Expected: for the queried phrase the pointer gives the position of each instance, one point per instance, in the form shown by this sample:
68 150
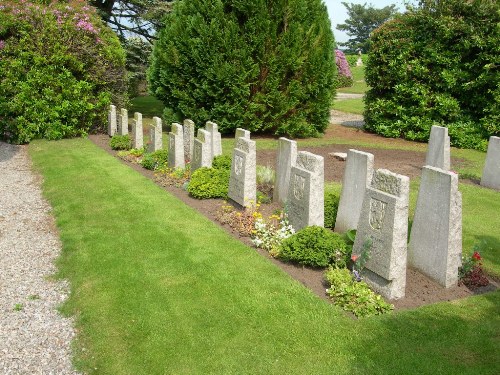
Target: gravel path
346 119
34 337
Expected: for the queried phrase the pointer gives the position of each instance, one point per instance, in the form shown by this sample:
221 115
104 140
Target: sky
338 12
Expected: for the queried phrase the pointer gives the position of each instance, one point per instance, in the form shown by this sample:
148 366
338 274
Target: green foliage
60 68
208 183
155 160
222 162
362 21
354 296
315 246
352 59
259 65
138 55
120 142
331 206
437 64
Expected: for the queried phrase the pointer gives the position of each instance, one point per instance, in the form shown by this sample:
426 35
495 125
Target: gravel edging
34 337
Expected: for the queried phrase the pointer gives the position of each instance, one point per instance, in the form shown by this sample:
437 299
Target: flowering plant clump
269 235
359 260
344 78
60 68
243 222
173 176
471 273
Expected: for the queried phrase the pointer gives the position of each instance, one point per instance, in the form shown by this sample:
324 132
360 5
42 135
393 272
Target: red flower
354 257
476 257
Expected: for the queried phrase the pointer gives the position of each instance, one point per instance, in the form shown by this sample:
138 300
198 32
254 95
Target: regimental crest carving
242 145
307 162
377 214
238 165
299 184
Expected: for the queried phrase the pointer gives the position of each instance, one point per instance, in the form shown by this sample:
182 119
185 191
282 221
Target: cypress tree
263 65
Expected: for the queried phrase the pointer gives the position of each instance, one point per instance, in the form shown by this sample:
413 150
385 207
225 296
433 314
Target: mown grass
359 86
356 106
157 288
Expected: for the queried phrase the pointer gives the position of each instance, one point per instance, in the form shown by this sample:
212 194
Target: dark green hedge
262 65
437 64
60 68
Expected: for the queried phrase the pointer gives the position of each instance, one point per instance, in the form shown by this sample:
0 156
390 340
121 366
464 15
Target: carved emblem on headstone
306 162
299 183
242 145
377 213
238 165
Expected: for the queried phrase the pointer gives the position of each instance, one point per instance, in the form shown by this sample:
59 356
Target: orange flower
354 257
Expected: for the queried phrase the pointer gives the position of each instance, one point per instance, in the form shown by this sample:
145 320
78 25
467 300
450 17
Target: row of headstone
117 125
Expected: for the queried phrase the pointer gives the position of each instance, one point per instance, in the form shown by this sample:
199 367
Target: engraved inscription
238 165
197 153
377 214
242 145
299 183
307 162
387 183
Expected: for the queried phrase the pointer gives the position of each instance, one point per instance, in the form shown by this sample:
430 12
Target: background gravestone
137 135
112 126
215 141
202 152
306 191
285 160
438 149
491 171
435 246
123 124
155 135
383 225
176 147
357 176
242 182
188 136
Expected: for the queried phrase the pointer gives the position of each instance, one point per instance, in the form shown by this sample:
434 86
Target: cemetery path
420 289
34 337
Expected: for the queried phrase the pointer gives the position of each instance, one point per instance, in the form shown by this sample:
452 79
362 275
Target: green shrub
155 160
331 207
437 64
222 162
315 246
354 296
353 59
120 142
60 68
247 64
208 183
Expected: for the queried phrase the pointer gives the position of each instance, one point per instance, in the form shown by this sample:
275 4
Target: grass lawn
157 288
356 106
359 86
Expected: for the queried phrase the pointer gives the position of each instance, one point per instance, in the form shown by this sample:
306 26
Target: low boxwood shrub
120 142
354 296
60 68
315 246
222 162
331 208
155 160
208 183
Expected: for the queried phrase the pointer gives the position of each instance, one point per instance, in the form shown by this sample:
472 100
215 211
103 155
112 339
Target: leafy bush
344 76
270 235
60 68
209 183
155 160
248 64
437 64
120 142
315 246
331 207
354 296
222 162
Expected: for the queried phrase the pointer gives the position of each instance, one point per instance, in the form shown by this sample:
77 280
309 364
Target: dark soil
420 290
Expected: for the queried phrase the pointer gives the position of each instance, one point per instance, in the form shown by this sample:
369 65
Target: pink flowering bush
60 67
344 77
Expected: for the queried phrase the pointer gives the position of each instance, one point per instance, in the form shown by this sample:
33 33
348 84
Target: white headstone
438 149
240 133
216 141
242 183
155 134
357 176
202 152
176 147
305 202
112 126
137 135
384 224
188 129
491 171
285 160
435 246
123 124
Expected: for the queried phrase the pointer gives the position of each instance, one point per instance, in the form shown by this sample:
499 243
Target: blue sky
338 13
